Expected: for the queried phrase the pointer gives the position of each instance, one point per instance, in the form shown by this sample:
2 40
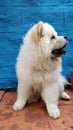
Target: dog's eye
53 37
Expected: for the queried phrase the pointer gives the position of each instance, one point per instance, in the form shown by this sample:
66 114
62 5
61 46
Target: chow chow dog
39 68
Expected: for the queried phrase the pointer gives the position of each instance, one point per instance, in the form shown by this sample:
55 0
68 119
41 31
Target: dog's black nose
65 37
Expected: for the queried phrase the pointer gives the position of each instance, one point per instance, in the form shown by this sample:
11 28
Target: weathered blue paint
16 17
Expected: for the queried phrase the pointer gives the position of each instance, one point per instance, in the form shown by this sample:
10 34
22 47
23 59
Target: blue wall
16 17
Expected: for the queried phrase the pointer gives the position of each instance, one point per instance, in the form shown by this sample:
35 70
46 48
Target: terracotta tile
34 116
10 98
19 123
65 122
2 93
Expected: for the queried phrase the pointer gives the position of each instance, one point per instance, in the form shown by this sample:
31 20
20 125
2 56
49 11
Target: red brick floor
34 116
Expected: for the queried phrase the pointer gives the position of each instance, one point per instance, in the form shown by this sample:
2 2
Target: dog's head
43 35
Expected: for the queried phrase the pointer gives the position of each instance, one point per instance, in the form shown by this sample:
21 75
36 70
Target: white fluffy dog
39 68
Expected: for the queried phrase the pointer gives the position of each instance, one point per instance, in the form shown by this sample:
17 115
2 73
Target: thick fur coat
39 68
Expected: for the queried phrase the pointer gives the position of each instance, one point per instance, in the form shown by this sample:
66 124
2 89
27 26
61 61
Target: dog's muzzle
59 52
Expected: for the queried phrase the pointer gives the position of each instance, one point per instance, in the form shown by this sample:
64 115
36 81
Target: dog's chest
46 73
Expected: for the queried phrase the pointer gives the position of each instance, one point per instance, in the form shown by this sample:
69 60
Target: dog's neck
48 64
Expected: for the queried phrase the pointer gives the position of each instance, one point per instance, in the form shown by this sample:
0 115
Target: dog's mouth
59 52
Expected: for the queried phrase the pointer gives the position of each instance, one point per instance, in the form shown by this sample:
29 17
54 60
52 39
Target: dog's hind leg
65 96
62 82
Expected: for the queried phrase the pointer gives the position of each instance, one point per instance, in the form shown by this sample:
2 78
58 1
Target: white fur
38 71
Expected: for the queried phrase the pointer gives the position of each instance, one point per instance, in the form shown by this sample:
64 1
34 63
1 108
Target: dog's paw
18 106
53 111
65 96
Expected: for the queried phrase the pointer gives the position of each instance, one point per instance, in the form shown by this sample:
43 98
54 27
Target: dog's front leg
22 95
50 95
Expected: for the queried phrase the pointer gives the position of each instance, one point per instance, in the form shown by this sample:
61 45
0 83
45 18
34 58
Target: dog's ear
37 32
40 29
